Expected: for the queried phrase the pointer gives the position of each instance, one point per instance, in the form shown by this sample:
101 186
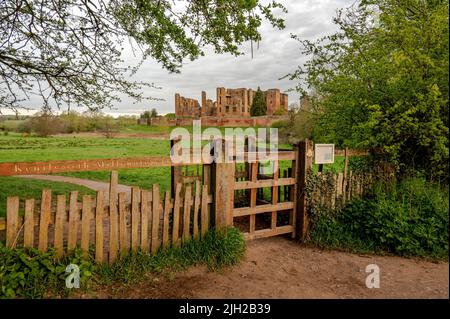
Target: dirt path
280 268
97 186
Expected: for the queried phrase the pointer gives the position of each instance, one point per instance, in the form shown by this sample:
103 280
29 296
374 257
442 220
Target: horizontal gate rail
260 209
269 232
264 183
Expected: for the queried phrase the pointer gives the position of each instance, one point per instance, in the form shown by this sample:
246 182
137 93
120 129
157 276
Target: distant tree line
46 124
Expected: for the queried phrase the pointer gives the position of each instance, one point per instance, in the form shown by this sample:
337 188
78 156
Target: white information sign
324 153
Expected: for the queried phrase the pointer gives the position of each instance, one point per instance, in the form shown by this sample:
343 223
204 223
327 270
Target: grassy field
136 128
15 148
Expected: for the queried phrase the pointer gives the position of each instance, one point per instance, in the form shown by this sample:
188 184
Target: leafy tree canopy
382 81
69 51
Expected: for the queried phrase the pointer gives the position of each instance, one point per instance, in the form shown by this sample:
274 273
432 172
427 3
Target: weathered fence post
304 164
344 182
223 179
176 172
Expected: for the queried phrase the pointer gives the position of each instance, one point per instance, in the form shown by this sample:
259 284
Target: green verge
29 273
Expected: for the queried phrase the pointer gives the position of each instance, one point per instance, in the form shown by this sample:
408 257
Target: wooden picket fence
110 226
333 190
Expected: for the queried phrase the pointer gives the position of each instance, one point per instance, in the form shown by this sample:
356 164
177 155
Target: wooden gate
267 194
264 204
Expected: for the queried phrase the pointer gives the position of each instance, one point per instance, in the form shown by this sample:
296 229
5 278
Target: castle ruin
230 103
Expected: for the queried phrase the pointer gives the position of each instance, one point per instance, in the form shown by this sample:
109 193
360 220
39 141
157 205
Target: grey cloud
278 55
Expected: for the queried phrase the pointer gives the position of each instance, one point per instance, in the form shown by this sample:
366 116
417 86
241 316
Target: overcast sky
277 56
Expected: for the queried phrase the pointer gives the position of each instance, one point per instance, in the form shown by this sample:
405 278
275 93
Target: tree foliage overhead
69 51
258 107
382 81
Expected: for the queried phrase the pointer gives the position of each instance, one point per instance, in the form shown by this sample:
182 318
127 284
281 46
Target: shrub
170 116
280 124
408 218
10 125
30 273
73 122
280 111
108 126
45 124
24 127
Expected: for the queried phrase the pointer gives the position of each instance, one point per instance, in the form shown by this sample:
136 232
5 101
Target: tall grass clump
406 218
217 249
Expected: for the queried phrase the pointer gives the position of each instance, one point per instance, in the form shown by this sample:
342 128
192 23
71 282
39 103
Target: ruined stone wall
284 102
229 103
186 107
275 100
208 106
232 102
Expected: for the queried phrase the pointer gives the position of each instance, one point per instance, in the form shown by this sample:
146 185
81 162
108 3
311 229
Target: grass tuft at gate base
28 273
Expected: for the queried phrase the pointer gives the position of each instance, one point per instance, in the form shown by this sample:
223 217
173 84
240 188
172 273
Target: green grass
136 128
218 249
336 167
30 188
14 148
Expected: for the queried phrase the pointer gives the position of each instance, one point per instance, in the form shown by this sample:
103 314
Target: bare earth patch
279 268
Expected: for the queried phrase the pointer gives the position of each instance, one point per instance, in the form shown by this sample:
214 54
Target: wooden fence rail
113 228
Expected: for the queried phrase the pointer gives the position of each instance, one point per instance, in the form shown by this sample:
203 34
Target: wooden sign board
324 153
51 167
48 167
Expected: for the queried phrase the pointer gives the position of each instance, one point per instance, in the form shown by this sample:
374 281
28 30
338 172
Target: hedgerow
406 218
